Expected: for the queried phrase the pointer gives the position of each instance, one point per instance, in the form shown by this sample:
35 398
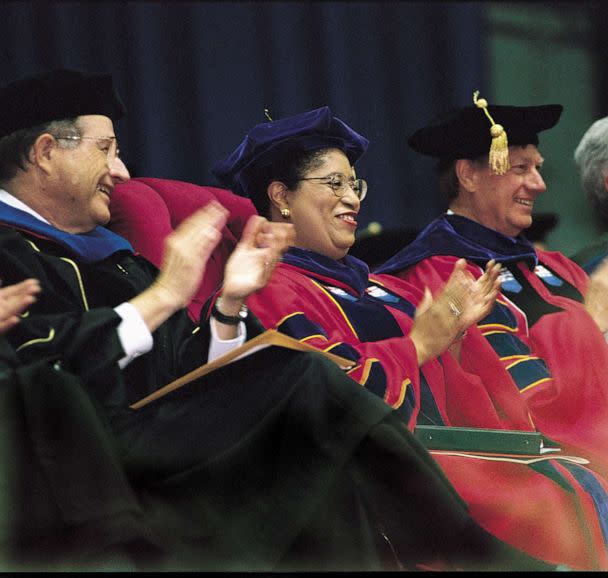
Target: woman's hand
251 264
464 300
253 260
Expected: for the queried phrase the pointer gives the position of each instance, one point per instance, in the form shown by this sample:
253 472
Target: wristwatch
228 319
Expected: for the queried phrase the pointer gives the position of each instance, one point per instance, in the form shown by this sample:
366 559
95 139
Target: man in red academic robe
540 356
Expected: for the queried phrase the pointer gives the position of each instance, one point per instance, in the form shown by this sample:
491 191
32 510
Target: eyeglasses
339 184
106 144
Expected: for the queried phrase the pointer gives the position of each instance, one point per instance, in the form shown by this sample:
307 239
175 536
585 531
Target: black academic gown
65 500
275 462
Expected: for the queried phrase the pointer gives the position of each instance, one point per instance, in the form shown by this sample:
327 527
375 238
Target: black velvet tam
464 133
57 95
267 142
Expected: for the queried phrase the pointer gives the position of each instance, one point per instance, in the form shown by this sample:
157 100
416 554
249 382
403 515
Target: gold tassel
267 114
499 149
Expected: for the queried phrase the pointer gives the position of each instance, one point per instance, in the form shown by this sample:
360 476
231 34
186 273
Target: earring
285 213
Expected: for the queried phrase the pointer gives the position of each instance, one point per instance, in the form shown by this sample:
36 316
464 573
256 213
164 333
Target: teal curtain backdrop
196 75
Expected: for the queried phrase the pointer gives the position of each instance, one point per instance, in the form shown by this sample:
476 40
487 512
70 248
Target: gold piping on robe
78 276
50 337
337 306
80 284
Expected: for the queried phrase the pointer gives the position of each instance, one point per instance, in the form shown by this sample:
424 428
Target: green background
541 53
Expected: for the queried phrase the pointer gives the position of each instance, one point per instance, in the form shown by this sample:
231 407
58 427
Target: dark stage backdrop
196 75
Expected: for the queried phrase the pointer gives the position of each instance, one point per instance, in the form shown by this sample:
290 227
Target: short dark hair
446 170
448 180
15 147
289 168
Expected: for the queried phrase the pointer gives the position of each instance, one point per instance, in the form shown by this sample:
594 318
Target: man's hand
187 250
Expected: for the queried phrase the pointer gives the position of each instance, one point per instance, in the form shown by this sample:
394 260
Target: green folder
496 441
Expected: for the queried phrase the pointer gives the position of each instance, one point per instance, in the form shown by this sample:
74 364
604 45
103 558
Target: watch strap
228 319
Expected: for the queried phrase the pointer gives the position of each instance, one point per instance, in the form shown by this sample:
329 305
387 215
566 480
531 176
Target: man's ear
606 182
277 193
42 151
465 172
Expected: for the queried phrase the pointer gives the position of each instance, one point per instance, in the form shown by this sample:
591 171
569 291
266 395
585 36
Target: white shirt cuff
134 335
136 338
218 346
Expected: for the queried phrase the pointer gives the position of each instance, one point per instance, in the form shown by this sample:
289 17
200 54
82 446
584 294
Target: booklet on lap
266 339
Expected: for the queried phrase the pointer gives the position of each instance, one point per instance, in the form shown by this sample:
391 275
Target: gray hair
591 158
15 147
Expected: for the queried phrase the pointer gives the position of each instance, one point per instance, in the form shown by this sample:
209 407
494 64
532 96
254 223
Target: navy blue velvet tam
464 133
57 95
268 142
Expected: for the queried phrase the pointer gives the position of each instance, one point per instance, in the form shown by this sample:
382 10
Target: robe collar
461 237
89 247
351 273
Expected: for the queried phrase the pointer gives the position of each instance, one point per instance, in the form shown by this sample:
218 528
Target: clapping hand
252 262
464 300
468 299
187 250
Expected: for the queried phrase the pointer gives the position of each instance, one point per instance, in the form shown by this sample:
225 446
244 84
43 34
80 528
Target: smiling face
324 222
77 195
501 202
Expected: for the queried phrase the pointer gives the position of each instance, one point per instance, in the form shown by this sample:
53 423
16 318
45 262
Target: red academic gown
548 508
536 362
353 316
